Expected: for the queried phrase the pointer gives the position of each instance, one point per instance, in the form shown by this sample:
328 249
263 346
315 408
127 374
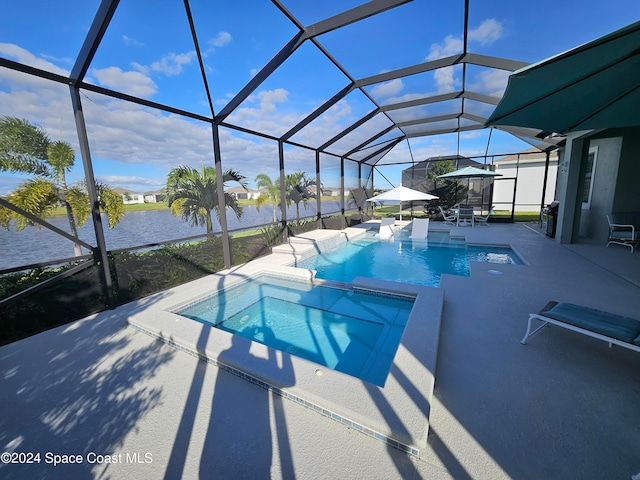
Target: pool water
402 260
356 333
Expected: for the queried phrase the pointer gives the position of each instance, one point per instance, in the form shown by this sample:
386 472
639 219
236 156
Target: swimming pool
402 260
353 332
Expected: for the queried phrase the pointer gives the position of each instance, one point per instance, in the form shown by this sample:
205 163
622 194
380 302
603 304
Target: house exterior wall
569 183
132 198
530 175
627 198
614 179
154 197
242 194
593 221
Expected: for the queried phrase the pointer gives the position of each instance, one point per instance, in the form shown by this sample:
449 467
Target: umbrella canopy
596 85
401 194
470 172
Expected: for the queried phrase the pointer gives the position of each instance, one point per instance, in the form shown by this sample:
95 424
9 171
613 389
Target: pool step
311 243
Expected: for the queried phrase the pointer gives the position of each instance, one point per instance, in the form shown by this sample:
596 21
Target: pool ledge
397 414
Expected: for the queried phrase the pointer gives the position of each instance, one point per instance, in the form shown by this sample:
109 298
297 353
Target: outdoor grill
551 211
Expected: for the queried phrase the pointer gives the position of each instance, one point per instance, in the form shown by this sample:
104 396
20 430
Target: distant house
155 196
528 166
241 193
416 177
129 197
331 192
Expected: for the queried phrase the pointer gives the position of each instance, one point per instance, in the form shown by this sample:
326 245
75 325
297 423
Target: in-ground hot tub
354 332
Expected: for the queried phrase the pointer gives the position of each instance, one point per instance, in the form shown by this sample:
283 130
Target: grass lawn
519 216
382 211
390 210
136 207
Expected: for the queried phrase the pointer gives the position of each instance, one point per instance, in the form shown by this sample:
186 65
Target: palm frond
37 196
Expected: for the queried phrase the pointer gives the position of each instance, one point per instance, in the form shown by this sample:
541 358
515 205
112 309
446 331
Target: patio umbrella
595 85
470 172
401 194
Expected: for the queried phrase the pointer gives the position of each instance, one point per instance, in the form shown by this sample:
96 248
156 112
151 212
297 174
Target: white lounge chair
448 219
622 230
483 219
419 229
387 225
614 329
465 216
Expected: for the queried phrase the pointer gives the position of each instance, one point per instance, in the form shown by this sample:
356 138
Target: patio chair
614 329
387 225
448 219
483 219
622 230
465 215
419 229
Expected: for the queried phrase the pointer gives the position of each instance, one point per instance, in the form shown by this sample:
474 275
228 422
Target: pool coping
397 414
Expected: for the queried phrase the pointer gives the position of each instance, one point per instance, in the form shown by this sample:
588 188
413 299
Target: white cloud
132 83
269 98
472 135
132 42
445 79
407 97
223 101
488 32
220 40
450 46
388 88
122 134
361 134
328 125
128 180
172 64
12 51
66 60
491 82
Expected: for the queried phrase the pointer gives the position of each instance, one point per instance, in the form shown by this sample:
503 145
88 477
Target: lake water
34 245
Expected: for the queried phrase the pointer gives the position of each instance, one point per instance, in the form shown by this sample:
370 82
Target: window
590 170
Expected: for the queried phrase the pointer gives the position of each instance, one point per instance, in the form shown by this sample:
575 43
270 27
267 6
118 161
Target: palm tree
23 146
299 190
193 194
273 192
27 148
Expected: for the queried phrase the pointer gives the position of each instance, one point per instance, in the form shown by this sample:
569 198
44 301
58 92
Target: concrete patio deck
563 406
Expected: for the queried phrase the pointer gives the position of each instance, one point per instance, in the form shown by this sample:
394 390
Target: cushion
610 325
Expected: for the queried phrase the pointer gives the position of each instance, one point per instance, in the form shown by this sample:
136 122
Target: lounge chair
465 215
622 229
448 219
483 219
387 225
614 329
419 229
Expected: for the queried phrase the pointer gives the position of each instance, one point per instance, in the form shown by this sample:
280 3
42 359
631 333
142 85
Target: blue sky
148 52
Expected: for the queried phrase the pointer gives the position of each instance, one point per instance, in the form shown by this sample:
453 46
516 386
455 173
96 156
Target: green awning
593 86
